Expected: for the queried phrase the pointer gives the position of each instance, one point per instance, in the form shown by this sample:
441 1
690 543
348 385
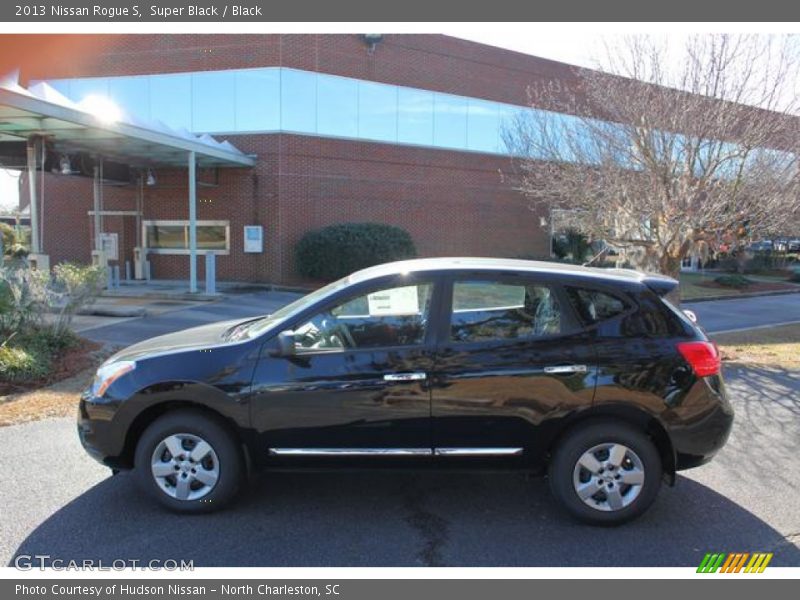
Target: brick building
401 129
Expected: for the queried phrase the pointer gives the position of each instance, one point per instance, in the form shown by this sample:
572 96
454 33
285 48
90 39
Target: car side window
594 306
651 320
395 316
495 310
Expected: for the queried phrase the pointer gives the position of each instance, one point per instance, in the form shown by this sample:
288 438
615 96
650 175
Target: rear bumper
698 439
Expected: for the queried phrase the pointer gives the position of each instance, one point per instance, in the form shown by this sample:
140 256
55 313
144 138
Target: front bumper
95 431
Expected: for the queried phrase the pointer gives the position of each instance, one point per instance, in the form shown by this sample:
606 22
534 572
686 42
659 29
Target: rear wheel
605 473
189 462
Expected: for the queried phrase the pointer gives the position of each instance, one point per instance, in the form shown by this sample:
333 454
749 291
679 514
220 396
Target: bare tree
662 153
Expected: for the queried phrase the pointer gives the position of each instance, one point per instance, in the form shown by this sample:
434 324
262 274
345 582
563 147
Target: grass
691 288
701 285
774 346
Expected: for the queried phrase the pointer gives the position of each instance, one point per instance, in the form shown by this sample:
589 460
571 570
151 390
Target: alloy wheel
608 477
185 466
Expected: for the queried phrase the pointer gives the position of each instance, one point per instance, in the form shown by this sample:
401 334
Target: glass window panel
483 122
212 237
175 236
377 111
171 100
389 317
414 116
506 120
594 306
166 236
258 100
80 89
131 94
213 102
488 310
337 106
450 121
298 101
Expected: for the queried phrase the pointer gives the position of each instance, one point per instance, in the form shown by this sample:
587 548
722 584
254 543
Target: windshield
256 327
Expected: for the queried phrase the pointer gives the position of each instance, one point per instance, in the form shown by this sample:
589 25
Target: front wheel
189 462
605 473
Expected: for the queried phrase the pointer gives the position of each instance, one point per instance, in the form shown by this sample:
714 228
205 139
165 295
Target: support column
192 224
33 143
98 244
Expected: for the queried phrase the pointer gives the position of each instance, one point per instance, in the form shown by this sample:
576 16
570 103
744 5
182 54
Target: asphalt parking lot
56 501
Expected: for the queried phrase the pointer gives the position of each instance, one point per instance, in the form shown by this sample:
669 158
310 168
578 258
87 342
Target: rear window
594 306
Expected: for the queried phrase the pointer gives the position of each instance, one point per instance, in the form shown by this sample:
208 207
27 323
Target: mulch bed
71 362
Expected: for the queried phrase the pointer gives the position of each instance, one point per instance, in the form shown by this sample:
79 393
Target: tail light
703 357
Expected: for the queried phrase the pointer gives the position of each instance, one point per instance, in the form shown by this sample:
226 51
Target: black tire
228 459
562 471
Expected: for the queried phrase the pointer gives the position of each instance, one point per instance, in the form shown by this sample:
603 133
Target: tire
612 493
205 475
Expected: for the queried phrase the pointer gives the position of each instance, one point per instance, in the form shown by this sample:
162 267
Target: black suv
588 375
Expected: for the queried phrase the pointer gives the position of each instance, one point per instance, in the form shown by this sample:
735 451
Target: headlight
108 374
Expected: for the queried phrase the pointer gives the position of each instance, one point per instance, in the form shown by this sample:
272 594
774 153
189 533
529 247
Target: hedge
338 250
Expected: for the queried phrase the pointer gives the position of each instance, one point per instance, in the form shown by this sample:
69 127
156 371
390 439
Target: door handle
566 369
405 376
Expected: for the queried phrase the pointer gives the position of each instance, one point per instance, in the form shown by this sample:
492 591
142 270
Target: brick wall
452 203
433 62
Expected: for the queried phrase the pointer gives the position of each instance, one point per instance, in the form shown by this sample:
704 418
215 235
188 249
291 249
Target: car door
357 381
511 358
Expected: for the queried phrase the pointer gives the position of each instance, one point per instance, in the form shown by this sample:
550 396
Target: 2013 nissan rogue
587 375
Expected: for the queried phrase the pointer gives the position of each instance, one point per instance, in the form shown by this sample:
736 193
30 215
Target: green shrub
72 287
13 245
24 297
733 281
18 364
28 355
9 236
46 340
338 250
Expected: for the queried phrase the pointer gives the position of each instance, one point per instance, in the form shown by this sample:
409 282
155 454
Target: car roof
504 265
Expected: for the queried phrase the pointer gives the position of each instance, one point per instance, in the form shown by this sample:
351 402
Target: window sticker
394 302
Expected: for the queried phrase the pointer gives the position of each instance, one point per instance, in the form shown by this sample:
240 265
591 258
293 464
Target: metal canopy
42 111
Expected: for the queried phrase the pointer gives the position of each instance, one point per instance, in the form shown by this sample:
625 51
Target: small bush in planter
733 281
338 250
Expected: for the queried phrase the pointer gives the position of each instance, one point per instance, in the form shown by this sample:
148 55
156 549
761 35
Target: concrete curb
738 296
113 311
164 296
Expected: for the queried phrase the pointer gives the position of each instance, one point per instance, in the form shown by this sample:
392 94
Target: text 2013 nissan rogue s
587 375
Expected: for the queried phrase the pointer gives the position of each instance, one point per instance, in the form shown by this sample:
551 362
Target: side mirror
284 344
